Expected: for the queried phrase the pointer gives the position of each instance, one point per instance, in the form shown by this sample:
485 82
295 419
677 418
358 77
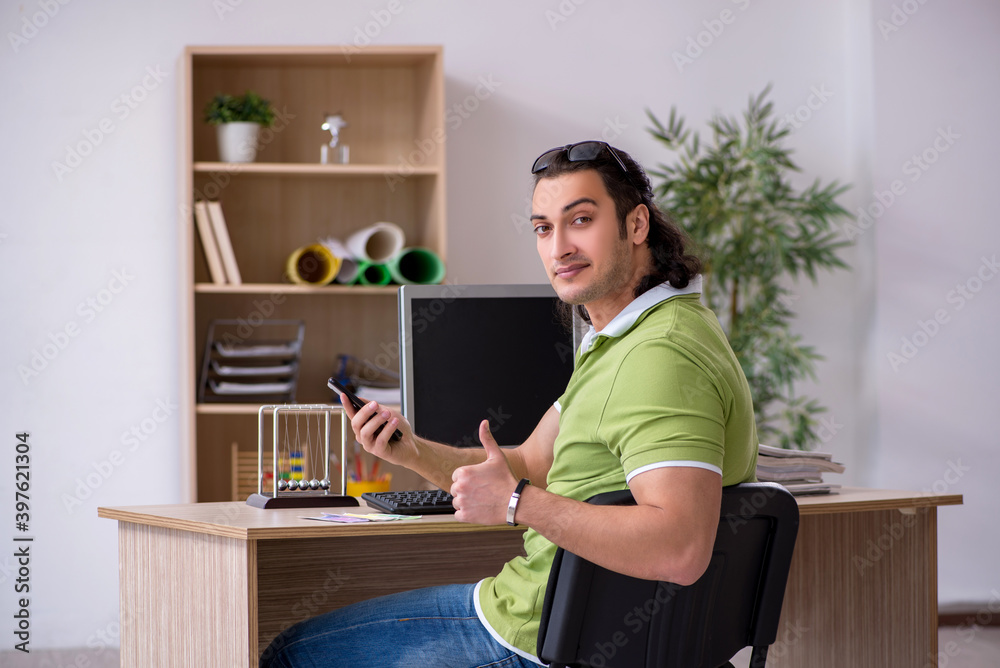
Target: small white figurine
341 155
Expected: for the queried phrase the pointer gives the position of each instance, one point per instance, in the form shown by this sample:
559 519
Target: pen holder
357 488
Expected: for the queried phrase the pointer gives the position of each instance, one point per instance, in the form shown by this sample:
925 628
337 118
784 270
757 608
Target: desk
862 588
210 584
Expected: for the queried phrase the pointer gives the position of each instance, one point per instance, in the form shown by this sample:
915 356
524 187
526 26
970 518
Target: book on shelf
208 244
799 471
224 243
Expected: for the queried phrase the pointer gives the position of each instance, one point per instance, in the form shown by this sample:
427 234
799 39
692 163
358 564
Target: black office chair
595 617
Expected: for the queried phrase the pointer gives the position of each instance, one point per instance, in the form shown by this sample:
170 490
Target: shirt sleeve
668 410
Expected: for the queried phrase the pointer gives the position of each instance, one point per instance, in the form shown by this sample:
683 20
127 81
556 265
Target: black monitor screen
499 353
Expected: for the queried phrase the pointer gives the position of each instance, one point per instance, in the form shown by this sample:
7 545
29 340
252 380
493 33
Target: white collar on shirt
623 322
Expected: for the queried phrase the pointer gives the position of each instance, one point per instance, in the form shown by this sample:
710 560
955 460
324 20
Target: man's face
578 238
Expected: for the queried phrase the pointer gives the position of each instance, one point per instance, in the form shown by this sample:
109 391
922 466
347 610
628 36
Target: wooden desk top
861 499
238 520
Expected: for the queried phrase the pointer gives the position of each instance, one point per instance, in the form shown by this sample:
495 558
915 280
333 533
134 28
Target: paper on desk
382 517
330 517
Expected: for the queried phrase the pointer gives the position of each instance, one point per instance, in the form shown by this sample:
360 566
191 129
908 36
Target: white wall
63 240
934 354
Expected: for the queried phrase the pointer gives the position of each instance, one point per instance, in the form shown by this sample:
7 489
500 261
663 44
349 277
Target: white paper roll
348 271
376 243
348 264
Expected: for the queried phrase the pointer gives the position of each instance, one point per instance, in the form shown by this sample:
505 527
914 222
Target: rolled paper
348 271
370 273
312 265
348 264
376 243
416 265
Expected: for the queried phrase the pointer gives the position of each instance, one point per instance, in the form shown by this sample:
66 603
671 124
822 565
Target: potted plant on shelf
754 233
238 120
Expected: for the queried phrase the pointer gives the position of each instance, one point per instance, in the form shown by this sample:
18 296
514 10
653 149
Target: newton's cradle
299 458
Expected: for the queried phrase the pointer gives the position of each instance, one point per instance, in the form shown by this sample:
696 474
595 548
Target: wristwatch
514 498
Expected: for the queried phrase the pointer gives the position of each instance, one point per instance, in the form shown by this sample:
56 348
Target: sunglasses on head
579 152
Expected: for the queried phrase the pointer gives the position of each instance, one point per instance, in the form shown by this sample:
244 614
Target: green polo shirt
658 386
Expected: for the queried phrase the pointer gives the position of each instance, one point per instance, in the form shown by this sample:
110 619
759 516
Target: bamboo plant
756 235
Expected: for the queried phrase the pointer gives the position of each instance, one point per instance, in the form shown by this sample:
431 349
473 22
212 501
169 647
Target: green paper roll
371 273
416 265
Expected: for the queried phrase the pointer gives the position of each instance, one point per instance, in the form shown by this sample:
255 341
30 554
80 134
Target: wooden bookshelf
393 100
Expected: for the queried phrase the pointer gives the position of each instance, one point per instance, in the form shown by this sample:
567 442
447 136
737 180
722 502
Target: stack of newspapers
799 471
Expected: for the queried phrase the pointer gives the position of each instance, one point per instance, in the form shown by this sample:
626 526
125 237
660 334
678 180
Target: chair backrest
595 617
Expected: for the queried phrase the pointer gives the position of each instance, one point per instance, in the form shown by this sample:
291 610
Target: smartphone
336 386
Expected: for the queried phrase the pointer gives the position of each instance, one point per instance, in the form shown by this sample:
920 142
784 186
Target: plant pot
237 141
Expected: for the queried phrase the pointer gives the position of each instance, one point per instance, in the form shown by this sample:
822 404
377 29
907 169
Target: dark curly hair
673 262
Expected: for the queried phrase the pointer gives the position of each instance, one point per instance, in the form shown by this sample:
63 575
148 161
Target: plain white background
870 85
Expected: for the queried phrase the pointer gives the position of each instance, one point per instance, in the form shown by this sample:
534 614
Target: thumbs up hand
481 491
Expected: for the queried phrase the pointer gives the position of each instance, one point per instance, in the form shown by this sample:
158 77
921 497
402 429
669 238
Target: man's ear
638 222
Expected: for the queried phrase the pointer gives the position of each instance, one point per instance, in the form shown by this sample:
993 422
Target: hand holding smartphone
336 386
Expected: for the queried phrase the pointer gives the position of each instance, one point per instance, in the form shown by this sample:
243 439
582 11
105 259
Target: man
657 403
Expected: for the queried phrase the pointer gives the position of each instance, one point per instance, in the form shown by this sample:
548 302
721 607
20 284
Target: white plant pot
238 141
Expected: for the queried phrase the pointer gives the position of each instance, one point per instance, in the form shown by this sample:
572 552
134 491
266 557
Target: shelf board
310 169
345 55
289 289
251 409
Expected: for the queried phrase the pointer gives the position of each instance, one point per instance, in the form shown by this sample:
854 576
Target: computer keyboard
411 502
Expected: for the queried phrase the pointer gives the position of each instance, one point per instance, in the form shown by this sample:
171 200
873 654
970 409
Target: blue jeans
429 627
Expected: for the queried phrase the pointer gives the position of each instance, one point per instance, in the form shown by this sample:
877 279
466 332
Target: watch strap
514 498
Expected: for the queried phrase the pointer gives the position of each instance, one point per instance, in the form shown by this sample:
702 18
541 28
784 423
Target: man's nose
562 244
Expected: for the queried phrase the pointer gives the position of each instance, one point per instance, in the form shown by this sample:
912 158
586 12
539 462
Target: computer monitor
474 352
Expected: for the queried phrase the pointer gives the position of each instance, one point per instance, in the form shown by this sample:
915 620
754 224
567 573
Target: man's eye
581 220
541 229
